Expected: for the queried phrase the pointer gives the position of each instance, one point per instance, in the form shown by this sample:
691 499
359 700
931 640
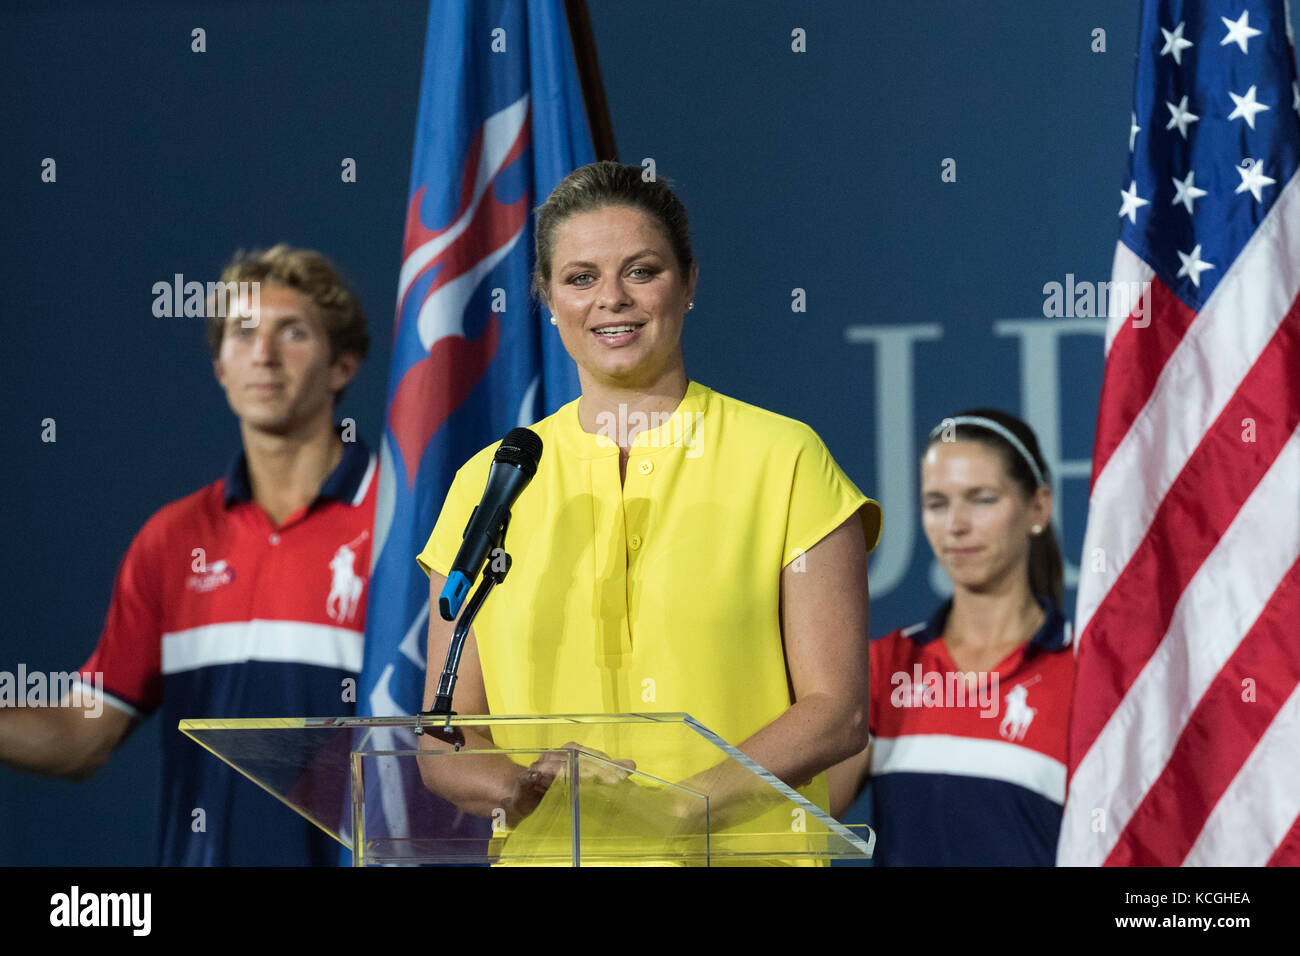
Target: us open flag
1185 737
501 122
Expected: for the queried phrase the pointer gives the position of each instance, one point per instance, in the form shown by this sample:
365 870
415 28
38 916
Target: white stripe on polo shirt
970 757
295 642
117 702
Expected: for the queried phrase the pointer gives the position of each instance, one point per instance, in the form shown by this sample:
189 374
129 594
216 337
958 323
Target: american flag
1185 736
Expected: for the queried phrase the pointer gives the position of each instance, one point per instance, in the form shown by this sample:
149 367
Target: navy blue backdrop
821 171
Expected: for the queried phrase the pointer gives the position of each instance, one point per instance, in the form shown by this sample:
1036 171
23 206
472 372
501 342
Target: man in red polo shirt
246 598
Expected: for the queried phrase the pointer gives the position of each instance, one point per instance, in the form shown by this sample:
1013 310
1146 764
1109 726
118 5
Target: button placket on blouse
636 488
636 477
610 555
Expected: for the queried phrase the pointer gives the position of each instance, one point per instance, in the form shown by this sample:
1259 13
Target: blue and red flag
501 122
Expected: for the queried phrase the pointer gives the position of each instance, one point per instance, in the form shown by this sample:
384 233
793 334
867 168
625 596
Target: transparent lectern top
629 789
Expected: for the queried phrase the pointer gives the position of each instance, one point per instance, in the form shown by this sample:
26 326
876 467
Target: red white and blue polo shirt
969 774
218 613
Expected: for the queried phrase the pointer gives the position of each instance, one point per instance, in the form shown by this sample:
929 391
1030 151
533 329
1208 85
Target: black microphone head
522 447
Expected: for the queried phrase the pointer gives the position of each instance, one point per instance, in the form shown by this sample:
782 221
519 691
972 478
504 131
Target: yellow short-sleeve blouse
660 594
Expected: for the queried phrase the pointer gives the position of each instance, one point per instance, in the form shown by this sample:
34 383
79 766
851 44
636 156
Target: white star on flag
1180 116
1192 265
1246 107
1174 43
1134 128
1239 32
1253 178
1132 202
1186 192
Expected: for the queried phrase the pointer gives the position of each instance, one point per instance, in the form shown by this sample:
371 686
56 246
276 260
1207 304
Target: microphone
512 468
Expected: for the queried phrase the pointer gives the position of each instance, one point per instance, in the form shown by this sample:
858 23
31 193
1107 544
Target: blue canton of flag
1208 153
501 122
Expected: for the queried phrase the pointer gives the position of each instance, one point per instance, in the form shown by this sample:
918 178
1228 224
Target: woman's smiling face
619 296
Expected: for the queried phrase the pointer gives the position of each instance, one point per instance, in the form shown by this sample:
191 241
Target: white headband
981 422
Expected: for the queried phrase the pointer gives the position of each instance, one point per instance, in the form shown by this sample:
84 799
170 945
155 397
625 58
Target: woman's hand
532 784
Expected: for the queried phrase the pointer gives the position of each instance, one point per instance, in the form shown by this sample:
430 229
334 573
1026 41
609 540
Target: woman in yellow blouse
677 550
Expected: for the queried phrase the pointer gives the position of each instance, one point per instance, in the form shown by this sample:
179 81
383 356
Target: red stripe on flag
1288 851
1133 365
493 224
1201 503
417 234
1218 737
434 387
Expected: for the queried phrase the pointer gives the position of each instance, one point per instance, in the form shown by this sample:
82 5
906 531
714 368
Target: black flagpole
593 90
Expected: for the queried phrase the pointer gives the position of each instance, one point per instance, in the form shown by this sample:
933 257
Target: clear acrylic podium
388 794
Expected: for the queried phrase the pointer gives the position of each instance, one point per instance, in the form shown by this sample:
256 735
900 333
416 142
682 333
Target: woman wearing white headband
969 709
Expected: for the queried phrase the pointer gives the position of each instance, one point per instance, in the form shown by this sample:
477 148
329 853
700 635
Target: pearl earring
554 321
1036 528
690 305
